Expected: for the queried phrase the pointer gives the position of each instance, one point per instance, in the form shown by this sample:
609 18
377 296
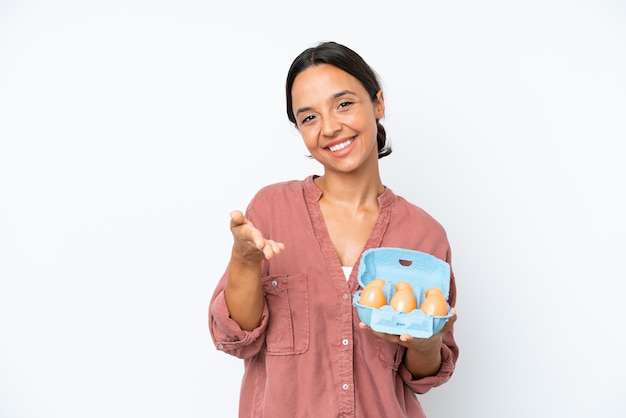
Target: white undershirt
347 270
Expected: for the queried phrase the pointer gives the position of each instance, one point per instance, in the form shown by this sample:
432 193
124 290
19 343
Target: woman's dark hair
347 60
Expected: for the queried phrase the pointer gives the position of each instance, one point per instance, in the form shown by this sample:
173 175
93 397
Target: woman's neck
350 189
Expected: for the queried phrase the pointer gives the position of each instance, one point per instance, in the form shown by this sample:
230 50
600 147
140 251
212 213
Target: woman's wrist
424 359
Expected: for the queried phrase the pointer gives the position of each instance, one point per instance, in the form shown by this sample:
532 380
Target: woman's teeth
341 146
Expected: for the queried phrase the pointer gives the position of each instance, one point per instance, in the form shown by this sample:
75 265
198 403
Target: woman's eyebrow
302 109
333 97
342 93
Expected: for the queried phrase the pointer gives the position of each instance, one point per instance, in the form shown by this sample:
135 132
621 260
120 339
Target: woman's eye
307 119
345 104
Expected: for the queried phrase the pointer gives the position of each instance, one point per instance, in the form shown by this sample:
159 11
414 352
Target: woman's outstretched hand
250 245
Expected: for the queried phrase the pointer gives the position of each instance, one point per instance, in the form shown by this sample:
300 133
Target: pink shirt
309 358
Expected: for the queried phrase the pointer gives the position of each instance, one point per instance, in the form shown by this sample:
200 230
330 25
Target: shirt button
345 342
346 386
274 283
220 346
345 296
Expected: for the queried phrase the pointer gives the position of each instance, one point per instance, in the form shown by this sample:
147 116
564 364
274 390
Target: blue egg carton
421 270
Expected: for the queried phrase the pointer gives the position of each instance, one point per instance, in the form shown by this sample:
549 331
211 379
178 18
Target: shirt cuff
424 384
228 335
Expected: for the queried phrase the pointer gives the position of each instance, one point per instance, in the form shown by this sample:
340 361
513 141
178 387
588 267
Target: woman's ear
379 105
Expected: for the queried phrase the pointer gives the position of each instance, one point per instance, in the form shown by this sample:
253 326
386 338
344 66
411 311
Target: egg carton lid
400 264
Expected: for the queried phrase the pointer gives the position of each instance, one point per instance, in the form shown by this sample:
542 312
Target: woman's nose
330 125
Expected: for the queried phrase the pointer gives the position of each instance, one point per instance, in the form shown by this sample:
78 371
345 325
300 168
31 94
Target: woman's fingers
245 233
236 218
272 248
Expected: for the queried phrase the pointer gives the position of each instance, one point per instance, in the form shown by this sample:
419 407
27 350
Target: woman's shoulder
280 187
288 191
415 211
279 201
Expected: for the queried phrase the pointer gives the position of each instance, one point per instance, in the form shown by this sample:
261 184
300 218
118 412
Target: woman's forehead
324 80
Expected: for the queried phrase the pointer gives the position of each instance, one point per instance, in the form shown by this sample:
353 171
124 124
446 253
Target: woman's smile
340 146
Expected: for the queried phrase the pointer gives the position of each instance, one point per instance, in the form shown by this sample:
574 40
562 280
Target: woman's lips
341 145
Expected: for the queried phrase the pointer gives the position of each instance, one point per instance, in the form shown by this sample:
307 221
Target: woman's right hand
249 244
243 291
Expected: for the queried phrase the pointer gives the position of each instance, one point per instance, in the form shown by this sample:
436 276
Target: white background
129 129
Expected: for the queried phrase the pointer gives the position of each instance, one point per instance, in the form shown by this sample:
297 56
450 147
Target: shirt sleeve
449 356
424 384
226 333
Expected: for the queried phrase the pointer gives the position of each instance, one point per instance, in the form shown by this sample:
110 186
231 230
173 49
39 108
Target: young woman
284 303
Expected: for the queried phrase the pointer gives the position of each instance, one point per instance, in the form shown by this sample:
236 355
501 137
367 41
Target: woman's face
336 117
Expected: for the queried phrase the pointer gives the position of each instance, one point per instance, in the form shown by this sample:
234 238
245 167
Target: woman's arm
423 356
243 291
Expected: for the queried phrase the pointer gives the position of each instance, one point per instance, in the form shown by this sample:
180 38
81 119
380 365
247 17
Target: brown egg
403 300
434 304
433 290
377 282
404 285
373 297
